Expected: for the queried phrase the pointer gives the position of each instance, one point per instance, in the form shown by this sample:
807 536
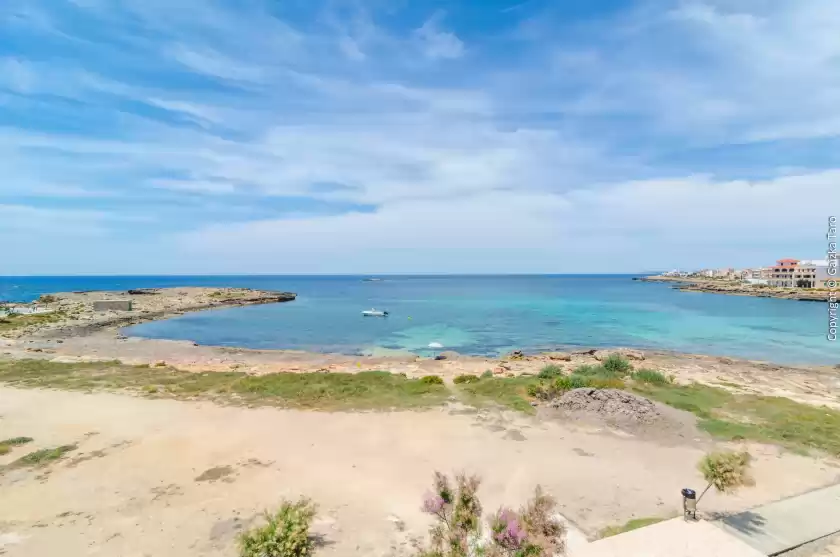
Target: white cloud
608 229
437 43
548 162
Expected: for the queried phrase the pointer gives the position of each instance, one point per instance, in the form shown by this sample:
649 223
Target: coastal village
786 273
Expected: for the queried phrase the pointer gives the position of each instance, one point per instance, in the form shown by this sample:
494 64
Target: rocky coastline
73 314
739 289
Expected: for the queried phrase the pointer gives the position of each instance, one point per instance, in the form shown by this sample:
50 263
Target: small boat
375 313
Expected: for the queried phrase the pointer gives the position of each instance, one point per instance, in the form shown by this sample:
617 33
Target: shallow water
481 315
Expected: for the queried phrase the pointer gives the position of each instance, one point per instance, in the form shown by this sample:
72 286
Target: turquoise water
481 315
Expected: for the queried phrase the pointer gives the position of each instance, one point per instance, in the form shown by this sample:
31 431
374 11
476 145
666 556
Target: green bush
466 379
286 533
432 380
486 374
617 364
650 376
550 372
562 384
589 370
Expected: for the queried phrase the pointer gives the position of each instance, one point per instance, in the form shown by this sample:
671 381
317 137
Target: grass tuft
42 457
550 372
466 379
650 376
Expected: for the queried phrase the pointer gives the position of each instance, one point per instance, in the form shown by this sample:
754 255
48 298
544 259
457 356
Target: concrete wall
112 305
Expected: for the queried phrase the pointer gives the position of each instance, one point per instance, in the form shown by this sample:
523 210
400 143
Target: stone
516 355
602 355
449 355
559 356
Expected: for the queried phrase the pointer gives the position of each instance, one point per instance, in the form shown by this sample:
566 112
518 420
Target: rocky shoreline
72 314
738 289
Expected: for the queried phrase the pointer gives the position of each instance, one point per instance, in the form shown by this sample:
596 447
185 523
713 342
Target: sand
169 478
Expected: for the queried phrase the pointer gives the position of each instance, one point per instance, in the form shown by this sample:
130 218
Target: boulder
516 355
448 355
559 356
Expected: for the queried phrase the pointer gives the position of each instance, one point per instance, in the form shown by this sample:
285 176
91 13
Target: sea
480 315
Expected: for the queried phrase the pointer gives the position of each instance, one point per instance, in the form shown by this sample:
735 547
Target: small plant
17 441
150 389
432 380
44 456
466 379
617 364
285 534
651 376
571 382
533 531
550 372
47 299
726 471
487 374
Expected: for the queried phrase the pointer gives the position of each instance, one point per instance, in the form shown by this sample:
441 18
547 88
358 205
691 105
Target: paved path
672 538
789 523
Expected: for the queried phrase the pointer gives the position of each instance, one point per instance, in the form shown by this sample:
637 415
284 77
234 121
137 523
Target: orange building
782 273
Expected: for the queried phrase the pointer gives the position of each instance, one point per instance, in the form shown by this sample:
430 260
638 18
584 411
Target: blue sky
305 136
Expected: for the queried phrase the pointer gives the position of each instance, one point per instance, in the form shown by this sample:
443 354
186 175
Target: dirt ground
168 478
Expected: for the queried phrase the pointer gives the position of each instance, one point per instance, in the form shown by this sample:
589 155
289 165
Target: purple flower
507 530
432 503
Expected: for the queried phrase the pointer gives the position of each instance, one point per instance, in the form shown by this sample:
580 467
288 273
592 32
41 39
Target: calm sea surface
480 315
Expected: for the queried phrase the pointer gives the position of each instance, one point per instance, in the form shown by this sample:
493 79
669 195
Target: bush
726 470
466 379
589 370
286 533
47 299
563 384
533 531
617 364
488 373
431 380
15 441
550 372
650 376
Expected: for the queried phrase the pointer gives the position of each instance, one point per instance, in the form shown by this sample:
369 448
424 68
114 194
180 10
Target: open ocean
485 315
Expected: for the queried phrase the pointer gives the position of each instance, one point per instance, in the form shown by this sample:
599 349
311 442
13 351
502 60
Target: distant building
782 273
811 274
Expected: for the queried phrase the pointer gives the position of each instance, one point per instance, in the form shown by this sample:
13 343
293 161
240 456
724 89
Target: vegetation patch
550 372
369 390
16 441
13 321
466 379
285 533
651 376
629 526
765 419
42 457
511 392
617 365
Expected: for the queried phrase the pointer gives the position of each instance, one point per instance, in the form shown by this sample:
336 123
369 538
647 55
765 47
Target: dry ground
169 478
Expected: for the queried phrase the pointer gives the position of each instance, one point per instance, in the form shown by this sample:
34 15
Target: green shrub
432 380
562 384
617 364
589 370
47 299
488 373
4 449
286 533
466 379
650 376
550 372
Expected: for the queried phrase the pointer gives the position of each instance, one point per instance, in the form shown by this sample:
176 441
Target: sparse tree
726 471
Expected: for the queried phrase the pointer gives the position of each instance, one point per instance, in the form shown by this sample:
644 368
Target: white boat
375 313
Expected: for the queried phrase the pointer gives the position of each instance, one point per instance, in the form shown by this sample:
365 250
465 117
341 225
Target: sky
415 136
